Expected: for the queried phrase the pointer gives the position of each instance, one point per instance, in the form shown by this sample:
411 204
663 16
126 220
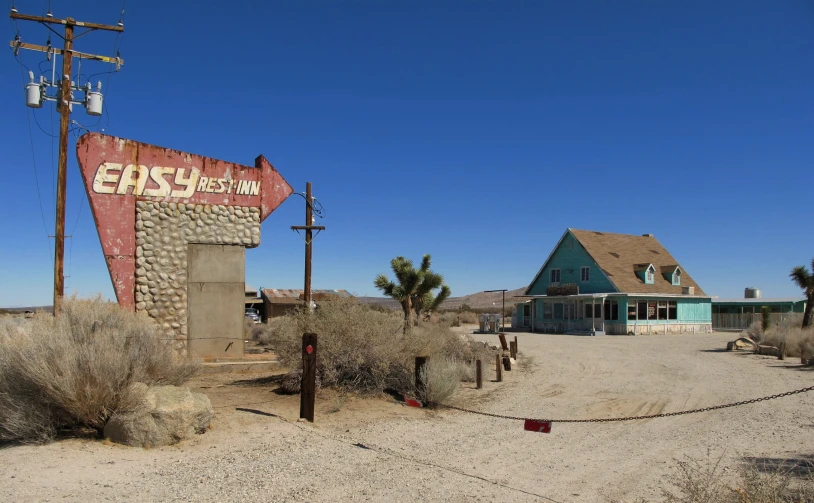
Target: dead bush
797 340
443 376
365 350
72 372
468 317
704 482
755 331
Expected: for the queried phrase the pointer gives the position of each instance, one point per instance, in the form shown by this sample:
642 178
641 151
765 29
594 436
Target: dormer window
677 277
650 275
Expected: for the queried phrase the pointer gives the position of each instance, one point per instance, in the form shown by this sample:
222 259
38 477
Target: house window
650 275
677 277
662 309
651 310
526 310
611 310
558 311
631 312
585 274
672 310
555 276
547 315
642 310
589 310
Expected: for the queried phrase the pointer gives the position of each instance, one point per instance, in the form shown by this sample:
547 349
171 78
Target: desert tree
413 287
804 278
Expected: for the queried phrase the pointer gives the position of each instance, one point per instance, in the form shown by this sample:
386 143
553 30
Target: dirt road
378 450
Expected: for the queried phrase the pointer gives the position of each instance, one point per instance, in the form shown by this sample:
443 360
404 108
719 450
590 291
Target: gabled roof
618 255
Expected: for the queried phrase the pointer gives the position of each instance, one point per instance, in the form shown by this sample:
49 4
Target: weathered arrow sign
118 172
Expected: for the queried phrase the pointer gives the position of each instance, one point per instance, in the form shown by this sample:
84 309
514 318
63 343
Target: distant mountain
480 300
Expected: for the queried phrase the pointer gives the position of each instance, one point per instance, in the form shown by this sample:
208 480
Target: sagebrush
798 341
696 481
365 350
73 371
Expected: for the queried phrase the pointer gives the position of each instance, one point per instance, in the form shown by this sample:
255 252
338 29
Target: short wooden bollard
781 353
513 349
507 363
515 345
498 369
420 374
503 344
308 386
478 375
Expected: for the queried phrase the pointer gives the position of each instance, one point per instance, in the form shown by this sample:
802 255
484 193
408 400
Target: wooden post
507 363
478 375
498 369
515 345
503 341
420 374
781 351
308 387
513 349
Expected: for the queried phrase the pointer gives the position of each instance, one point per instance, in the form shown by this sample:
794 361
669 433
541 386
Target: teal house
604 283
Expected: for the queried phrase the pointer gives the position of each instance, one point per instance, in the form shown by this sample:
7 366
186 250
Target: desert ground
380 450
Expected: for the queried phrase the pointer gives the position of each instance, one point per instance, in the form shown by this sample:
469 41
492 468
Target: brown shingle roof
618 255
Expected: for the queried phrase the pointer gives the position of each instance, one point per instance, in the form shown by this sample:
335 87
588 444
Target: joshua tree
805 280
413 287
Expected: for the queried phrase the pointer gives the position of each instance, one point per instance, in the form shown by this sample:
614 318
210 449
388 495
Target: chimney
688 290
647 235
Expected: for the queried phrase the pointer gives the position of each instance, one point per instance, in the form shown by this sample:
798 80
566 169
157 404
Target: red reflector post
538 426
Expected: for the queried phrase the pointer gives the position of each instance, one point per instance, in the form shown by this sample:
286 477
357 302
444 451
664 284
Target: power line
34 160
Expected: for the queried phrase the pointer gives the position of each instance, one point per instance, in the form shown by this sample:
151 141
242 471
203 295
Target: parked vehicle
253 314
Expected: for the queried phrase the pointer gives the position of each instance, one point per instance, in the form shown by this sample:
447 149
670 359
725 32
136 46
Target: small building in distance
279 302
738 314
605 283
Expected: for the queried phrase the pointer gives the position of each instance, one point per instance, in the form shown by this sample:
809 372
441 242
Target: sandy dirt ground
380 450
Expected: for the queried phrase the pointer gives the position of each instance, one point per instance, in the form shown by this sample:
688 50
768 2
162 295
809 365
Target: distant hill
480 300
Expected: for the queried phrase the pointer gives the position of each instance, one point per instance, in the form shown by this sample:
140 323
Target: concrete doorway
215 297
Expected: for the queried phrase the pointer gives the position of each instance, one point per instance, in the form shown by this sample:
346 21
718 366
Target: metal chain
632 418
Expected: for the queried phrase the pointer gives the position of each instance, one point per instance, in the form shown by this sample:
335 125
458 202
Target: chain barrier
631 418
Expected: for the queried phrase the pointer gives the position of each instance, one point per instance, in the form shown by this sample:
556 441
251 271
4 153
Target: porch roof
618 294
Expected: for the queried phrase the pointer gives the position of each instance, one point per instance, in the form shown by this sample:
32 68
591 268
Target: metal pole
308 236
62 168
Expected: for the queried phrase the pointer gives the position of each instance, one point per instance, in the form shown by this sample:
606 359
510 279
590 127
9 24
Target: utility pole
503 312
309 227
36 93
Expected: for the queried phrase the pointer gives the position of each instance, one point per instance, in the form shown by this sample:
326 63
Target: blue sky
475 131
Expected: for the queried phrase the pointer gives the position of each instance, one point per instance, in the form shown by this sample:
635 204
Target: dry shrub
703 482
797 340
468 317
365 350
72 372
755 331
443 376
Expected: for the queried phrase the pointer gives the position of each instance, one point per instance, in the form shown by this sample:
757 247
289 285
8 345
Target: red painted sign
538 426
118 172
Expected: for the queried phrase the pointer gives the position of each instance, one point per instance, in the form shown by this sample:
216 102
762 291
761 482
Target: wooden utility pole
64 108
309 227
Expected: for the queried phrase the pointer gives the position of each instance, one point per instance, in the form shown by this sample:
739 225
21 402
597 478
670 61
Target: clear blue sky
475 131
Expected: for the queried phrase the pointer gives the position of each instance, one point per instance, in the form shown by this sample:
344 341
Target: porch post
593 314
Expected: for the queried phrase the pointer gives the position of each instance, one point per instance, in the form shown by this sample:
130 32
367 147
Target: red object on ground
538 426
412 403
117 172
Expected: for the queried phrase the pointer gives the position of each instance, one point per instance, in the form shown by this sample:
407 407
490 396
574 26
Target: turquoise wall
690 310
571 259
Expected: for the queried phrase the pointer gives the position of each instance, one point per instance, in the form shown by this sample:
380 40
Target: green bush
72 372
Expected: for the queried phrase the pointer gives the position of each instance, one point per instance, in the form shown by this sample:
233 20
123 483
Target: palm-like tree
413 287
805 280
